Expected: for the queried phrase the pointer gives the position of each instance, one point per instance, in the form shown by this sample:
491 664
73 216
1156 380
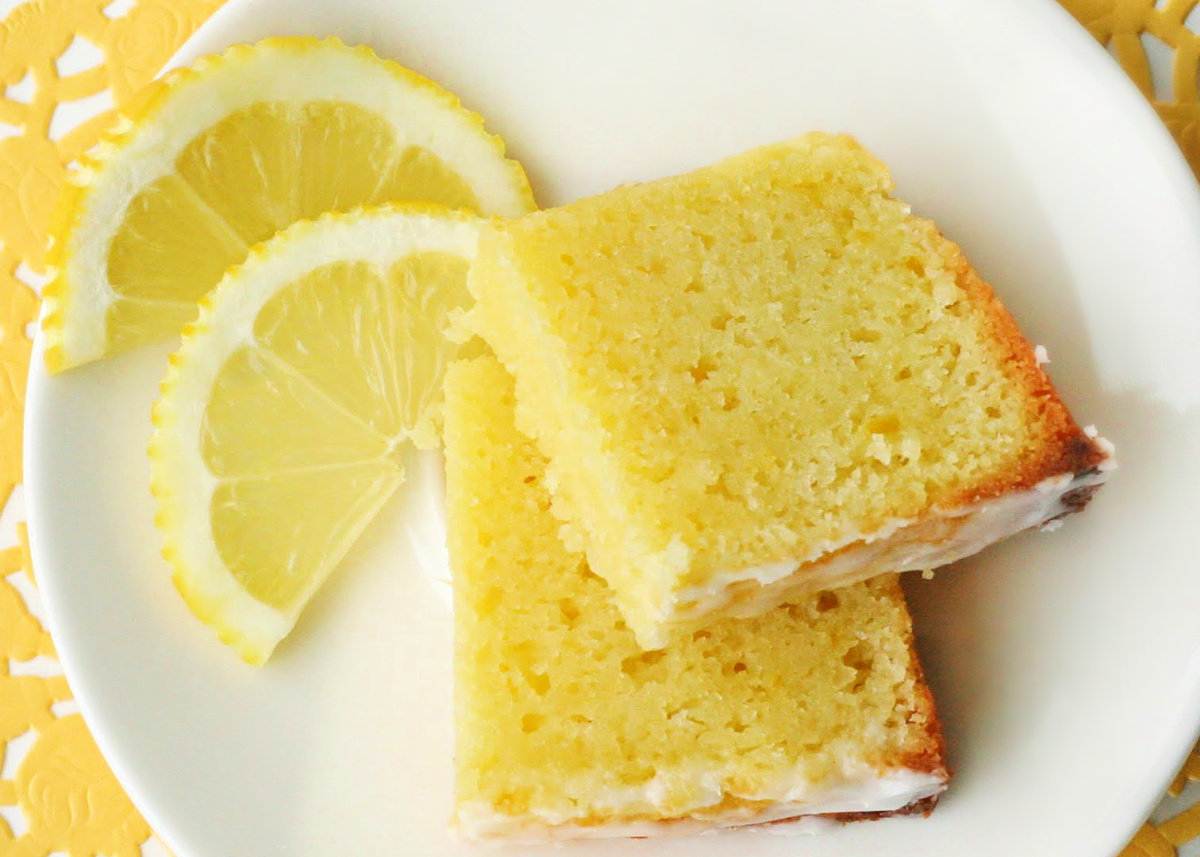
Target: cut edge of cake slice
813 714
531 281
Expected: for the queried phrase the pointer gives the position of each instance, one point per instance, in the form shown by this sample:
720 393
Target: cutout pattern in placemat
57 794
1157 42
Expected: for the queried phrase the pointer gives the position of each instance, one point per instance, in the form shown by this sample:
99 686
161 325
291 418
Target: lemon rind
180 482
68 286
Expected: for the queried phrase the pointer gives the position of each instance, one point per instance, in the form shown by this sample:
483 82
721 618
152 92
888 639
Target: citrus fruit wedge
220 156
288 410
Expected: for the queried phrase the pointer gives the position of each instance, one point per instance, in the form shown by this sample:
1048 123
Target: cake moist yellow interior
560 716
752 362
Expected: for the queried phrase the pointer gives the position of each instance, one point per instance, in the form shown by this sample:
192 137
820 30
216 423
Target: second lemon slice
286 413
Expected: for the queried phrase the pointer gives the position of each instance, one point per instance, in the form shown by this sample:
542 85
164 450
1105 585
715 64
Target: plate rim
1078 45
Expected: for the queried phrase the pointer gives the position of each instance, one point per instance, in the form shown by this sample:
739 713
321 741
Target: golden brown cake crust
1068 449
925 750
928 754
923 806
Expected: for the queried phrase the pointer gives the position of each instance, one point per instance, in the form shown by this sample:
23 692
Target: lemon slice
221 156
287 411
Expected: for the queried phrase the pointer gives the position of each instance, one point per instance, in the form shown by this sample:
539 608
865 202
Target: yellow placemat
59 795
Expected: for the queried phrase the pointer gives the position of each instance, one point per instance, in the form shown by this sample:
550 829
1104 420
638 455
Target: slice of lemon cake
567 728
767 377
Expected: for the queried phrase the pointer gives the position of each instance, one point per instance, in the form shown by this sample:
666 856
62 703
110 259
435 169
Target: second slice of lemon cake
767 377
567 728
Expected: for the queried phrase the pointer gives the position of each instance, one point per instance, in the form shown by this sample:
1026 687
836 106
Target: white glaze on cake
858 789
941 537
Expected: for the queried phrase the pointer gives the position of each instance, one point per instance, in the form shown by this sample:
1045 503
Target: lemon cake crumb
768 377
567 728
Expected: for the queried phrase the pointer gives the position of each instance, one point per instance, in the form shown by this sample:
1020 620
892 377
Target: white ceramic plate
1067 666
